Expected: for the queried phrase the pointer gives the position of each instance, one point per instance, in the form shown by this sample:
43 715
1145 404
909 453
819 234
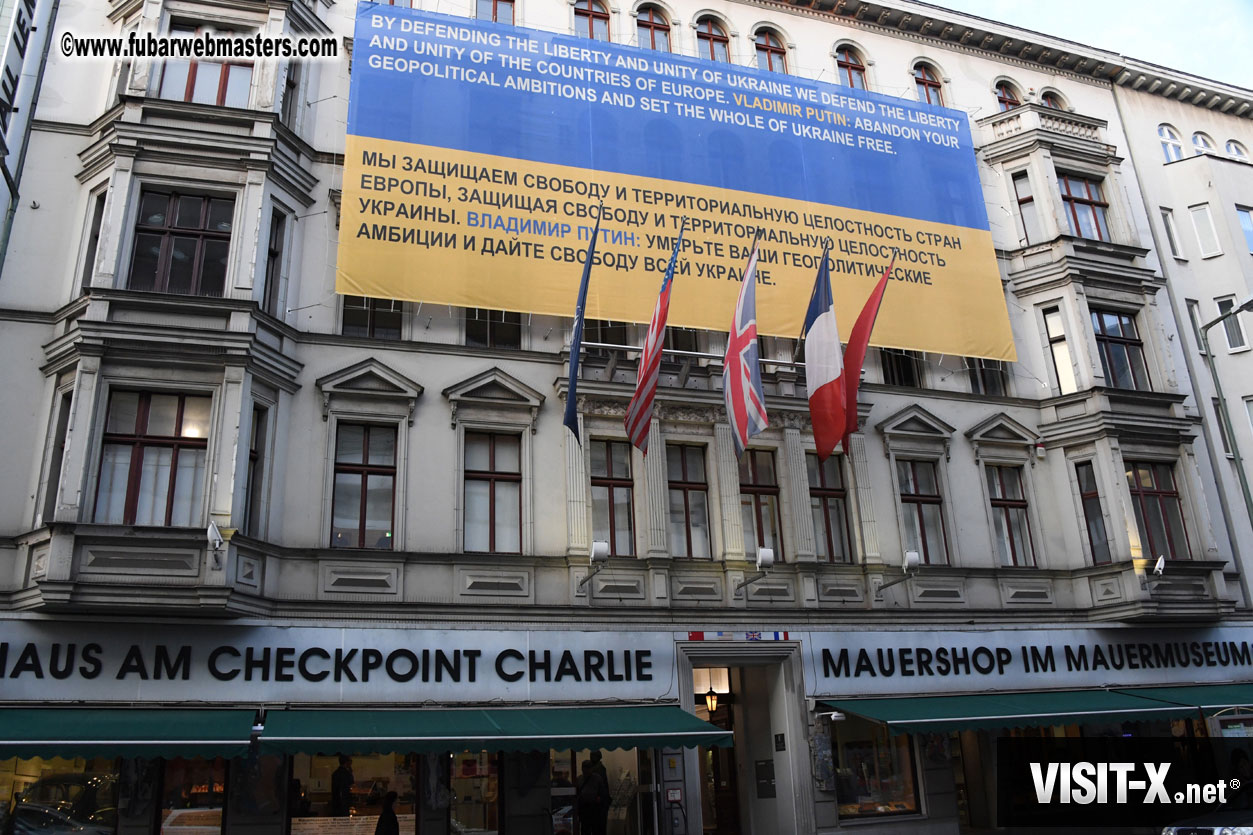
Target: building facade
388 489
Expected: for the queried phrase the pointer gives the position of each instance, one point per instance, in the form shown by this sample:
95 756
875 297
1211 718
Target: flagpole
571 418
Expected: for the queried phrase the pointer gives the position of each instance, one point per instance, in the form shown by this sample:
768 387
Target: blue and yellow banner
480 155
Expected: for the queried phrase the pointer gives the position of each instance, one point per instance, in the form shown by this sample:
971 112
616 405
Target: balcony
1020 130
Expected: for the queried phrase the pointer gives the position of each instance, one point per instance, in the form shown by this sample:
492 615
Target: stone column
578 533
868 529
728 492
797 486
657 495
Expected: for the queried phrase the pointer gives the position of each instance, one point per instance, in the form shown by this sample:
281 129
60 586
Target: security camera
1159 566
765 558
912 560
215 537
831 716
600 551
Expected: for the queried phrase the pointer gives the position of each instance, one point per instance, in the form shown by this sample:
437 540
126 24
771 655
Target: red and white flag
824 367
855 356
640 410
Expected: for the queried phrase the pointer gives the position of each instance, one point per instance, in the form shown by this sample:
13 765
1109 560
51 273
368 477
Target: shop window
254 498
1085 206
340 786
1010 527
1006 96
653 29
1172 145
93 238
205 82
1059 351
181 243
193 794
712 41
689 501
1203 224
591 20
759 502
771 54
1202 144
1093 518
365 486
874 770
56 795
987 377
828 502
1122 352
493 328
1246 225
1158 511
611 496
927 82
850 68
497 11
475 789
152 460
922 509
1231 325
372 318
901 368
257 800
274 262
1172 237
493 493
1027 212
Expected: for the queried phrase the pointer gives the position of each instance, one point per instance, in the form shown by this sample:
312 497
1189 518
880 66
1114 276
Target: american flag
741 375
640 410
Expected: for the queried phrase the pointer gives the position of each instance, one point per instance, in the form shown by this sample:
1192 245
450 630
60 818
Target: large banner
480 155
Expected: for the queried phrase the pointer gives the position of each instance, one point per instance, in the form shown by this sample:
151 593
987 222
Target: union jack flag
741 375
640 411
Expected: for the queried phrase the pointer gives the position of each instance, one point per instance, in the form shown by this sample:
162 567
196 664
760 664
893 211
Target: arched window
928 83
591 20
850 68
1172 147
1052 100
1007 96
1236 150
1202 144
712 41
653 29
771 54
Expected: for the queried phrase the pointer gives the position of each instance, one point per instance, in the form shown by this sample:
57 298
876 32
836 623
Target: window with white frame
1231 325
225 83
1236 151
1203 224
1172 145
1059 351
1246 225
1172 236
922 509
1011 529
493 492
1202 144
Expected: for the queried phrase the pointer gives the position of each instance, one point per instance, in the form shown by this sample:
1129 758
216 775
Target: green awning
128 732
1208 697
925 714
497 729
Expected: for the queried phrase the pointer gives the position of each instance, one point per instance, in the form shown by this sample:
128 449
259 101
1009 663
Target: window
1236 150
611 496
1222 427
1052 101
1194 316
290 108
1203 223
493 493
152 460
901 368
1093 519
653 29
205 82
987 377
591 20
1172 145
1027 208
874 770
689 501
181 243
1159 513
93 238
1009 515
680 339
493 328
850 68
1059 351
497 11
274 262
1007 96
1246 225
1231 325
928 84
605 332
1172 238
254 497
712 41
372 318
759 503
1122 353
921 507
828 504
365 486
1085 209
1202 144
771 54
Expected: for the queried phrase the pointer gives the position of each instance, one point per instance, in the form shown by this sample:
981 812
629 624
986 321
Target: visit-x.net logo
1086 782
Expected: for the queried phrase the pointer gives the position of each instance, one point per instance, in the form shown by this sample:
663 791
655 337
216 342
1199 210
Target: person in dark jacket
388 825
592 794
341 788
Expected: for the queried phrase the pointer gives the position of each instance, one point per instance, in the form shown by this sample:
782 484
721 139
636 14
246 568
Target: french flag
824 364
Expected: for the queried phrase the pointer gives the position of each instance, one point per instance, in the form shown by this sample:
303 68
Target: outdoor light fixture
597 559
909 565
711 699
765 559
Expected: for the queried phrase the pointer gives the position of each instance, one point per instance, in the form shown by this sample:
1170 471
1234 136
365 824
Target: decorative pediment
1002 433
366 380
494 390
915 429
